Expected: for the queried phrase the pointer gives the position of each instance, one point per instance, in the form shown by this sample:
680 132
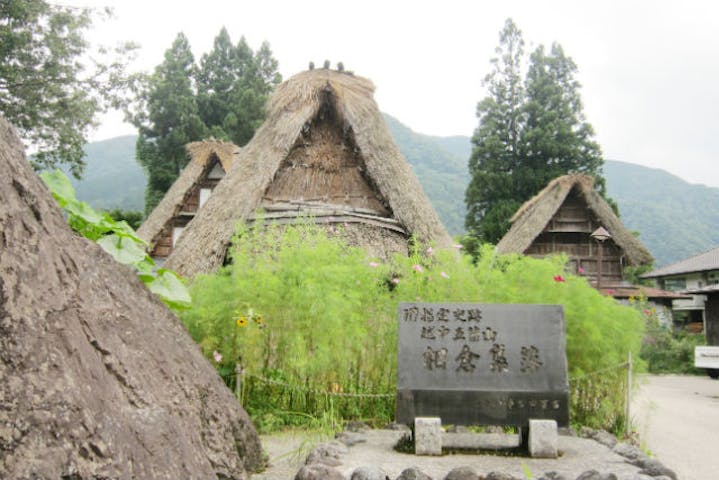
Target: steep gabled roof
294 106
201 156
532 217
702 262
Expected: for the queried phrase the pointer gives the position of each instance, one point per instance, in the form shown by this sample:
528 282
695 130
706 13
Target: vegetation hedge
313 323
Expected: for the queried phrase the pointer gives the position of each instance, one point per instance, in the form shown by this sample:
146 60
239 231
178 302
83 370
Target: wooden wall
569 232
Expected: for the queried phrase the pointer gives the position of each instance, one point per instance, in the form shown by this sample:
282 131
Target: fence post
239 373
627 421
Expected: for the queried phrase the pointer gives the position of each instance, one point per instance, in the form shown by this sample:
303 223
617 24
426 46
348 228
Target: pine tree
556 139
529 133
233 86
169 120
224 97
490 196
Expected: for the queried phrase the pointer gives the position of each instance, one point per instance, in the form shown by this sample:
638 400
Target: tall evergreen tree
529 133
233 86
556 139
491 197
169 120
223 97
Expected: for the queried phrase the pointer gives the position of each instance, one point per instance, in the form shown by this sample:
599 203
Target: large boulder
99 379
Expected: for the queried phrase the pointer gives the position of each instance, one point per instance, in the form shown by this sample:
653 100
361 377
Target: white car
707 357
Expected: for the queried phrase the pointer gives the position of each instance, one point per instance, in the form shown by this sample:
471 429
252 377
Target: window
675 284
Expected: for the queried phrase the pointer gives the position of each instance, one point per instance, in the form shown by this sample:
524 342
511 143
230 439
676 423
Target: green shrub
666 350
313 321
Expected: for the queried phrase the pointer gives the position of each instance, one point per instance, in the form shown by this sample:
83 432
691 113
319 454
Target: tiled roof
640 290
708 260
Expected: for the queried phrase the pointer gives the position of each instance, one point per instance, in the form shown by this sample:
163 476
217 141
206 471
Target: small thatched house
562 218
323 151
209 161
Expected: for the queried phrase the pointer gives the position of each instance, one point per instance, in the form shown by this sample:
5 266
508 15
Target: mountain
112 177
442 170
675 219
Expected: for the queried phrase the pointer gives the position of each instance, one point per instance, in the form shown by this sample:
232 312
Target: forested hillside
441 171
675 219
112 178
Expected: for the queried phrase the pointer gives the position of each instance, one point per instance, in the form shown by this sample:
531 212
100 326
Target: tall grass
313 322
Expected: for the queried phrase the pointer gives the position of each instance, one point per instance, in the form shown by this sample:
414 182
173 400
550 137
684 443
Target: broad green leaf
122 249
59 185
84 211
168 286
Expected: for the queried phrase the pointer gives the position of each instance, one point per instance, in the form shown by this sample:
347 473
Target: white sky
649 69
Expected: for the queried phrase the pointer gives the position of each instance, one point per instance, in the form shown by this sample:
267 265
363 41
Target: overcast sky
649 69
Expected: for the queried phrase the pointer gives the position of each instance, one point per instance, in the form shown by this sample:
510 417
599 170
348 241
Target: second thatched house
570 217
323 151
209 161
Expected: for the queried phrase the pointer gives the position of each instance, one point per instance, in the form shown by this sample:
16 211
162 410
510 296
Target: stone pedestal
543 439
427 436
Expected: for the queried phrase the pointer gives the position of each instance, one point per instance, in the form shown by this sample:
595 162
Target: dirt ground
678 421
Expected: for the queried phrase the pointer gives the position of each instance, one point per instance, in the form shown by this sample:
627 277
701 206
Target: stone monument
482 364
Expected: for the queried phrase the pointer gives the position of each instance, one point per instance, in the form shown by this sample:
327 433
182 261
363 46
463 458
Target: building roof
201 154
532 218
640 290
702 262
295 104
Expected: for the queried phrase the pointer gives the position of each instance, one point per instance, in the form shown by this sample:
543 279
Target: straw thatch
325 146
203 156
532 218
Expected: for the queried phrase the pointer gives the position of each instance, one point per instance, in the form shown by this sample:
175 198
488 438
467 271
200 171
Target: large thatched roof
201 156
532 218
295 105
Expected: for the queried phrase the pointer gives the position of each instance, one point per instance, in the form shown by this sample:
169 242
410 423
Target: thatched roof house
325 151
561 219
209 161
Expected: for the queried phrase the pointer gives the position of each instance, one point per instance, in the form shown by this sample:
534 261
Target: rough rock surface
413 473
99 379
369 473
462 473
318 471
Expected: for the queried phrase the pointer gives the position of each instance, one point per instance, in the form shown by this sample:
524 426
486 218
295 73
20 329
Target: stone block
427 436
543 439
480 441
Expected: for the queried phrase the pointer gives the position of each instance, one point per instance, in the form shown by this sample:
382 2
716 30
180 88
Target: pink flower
217 356
417 268
395 280
580 270
458 246
559 278
430 250
443 275
610 291
345 224
647 311
373 264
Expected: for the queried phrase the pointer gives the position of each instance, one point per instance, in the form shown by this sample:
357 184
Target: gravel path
678 420
287 452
